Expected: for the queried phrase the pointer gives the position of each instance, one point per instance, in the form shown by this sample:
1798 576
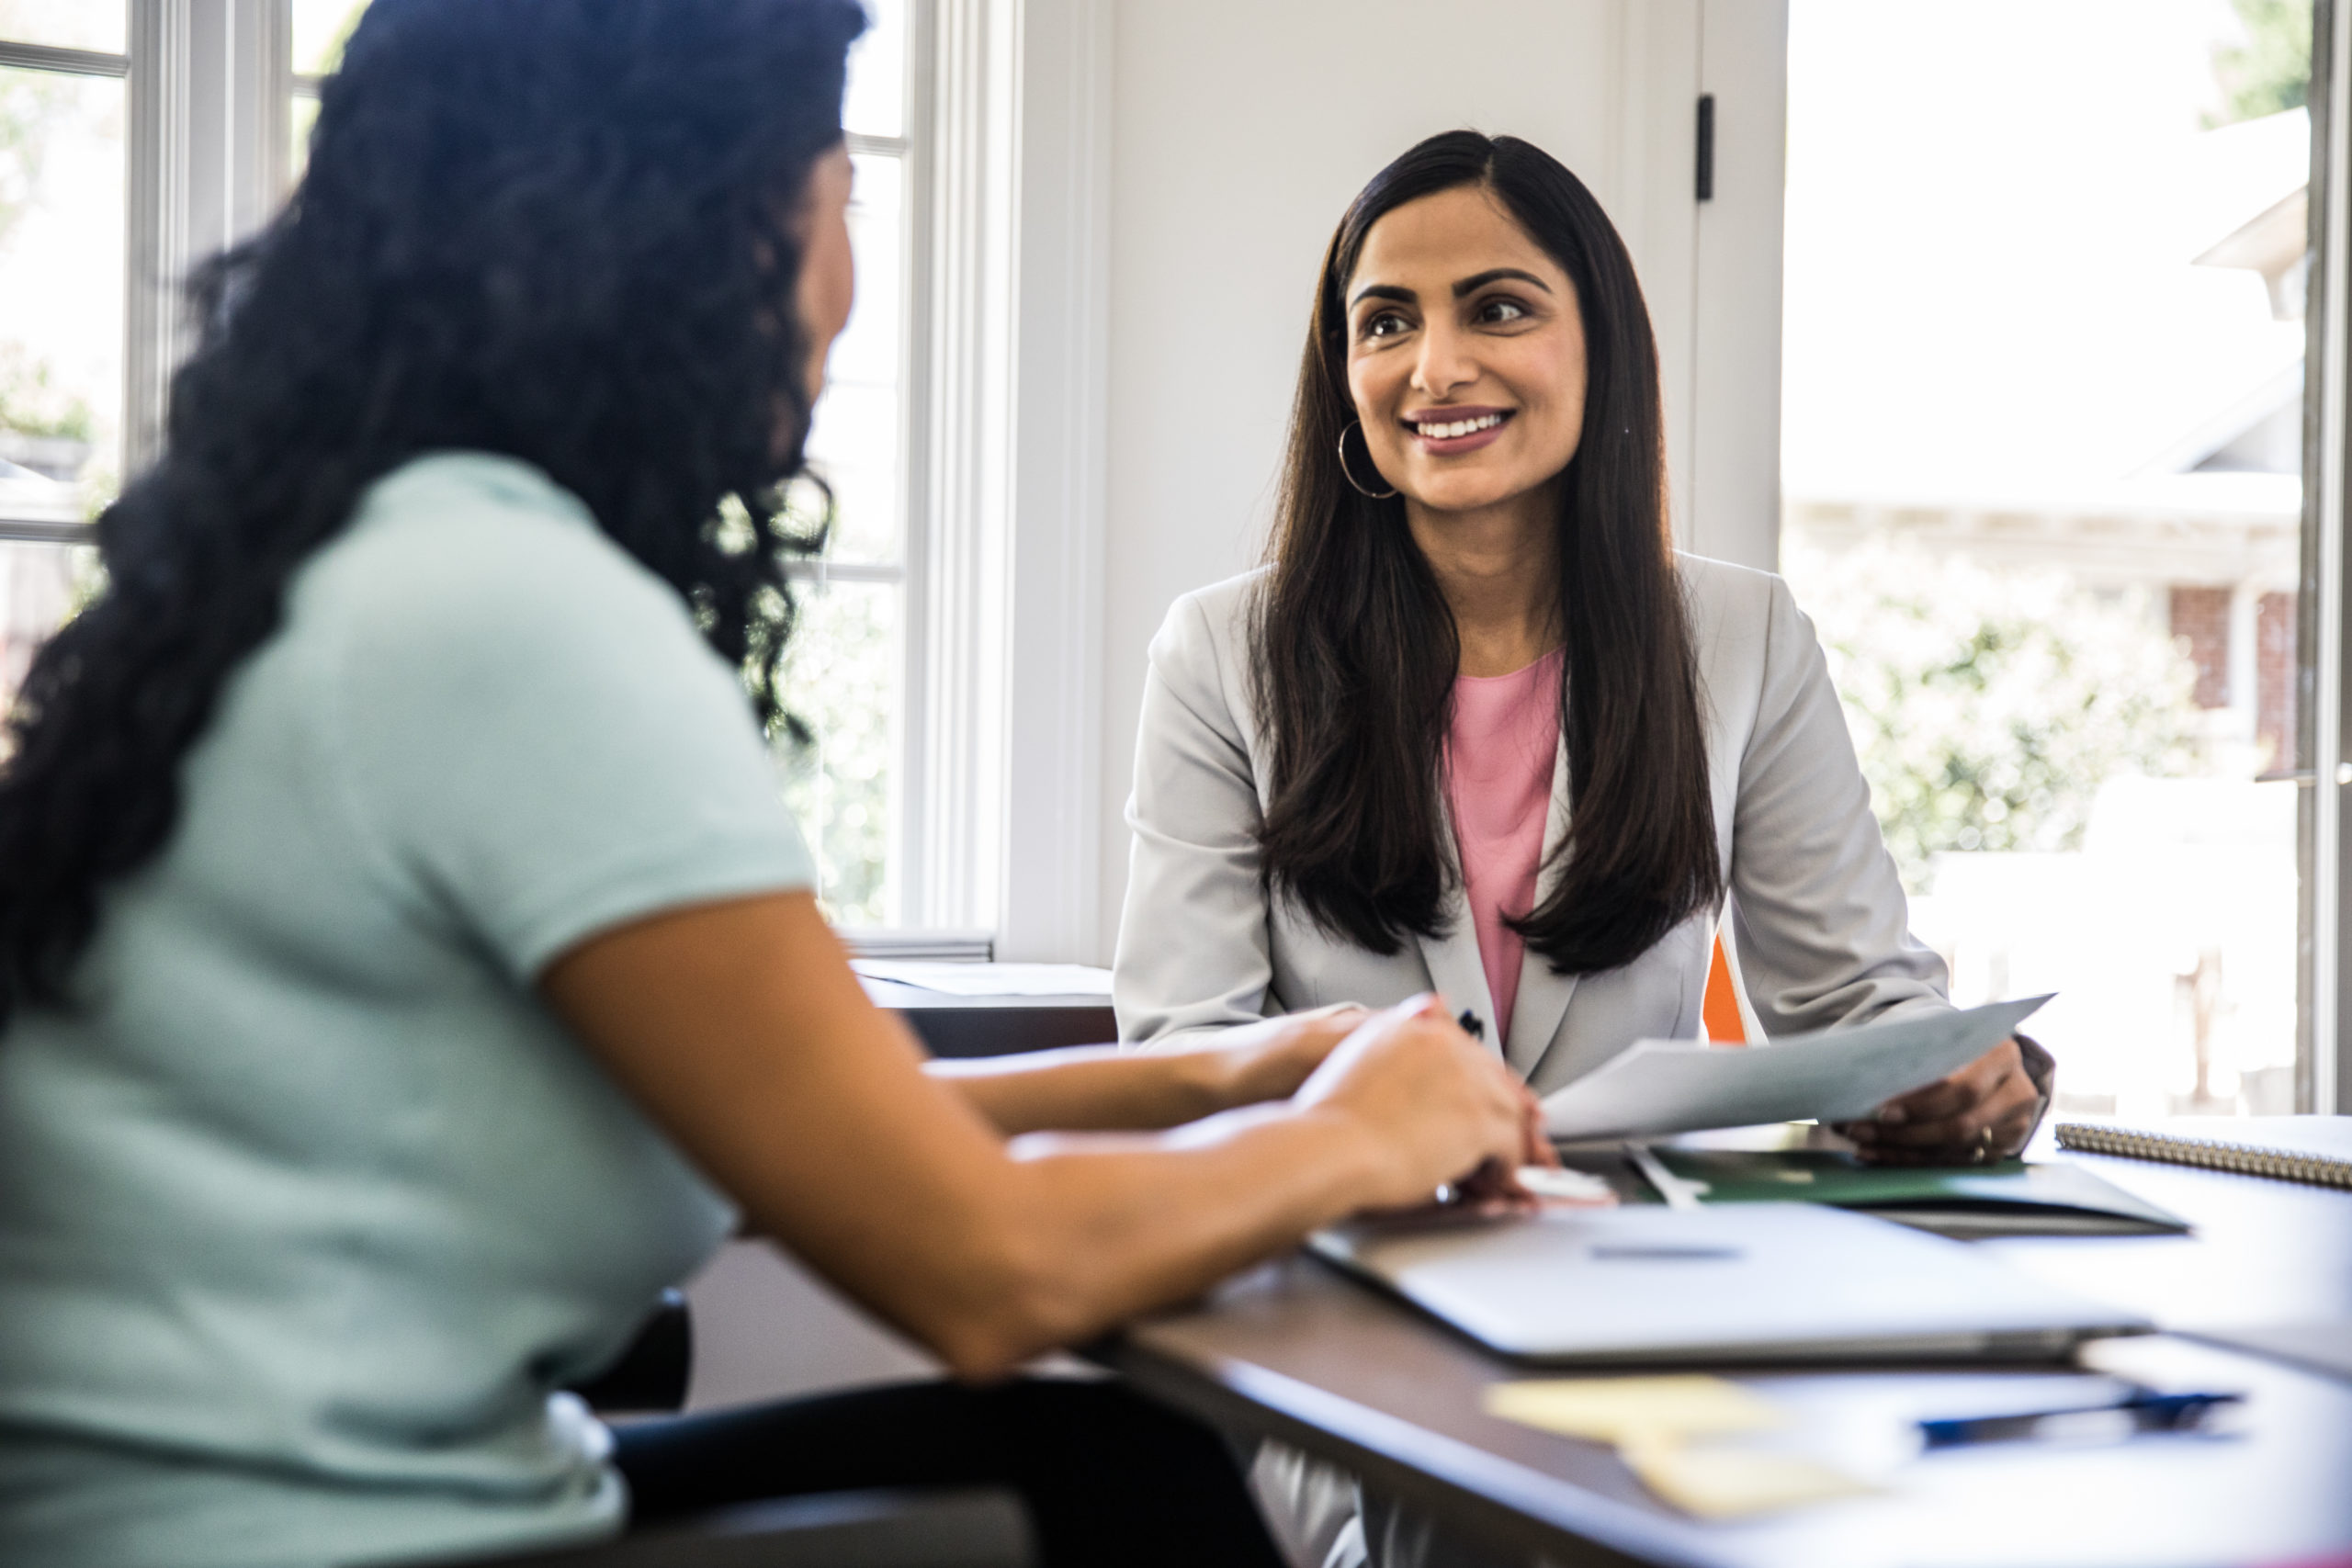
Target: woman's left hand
1257 1062
1983 1112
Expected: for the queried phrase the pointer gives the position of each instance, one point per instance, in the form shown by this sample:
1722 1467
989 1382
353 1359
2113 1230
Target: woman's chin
1468 493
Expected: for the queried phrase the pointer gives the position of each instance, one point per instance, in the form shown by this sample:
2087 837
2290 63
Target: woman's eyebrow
1384 291
1477 281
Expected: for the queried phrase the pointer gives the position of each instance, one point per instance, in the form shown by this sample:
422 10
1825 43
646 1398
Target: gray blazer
1818 918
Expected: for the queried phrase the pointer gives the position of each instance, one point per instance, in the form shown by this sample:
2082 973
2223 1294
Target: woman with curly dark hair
406 966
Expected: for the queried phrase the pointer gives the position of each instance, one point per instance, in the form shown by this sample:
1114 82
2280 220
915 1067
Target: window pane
102 25
2042 493
61 200
875 103
302 118
320 28
858 440
39 584
842 678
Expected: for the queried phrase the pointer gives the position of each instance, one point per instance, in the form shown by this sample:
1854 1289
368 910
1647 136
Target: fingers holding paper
1439 1109
1982 1112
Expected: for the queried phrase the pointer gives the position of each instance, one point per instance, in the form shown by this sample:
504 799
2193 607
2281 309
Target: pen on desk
2144 1411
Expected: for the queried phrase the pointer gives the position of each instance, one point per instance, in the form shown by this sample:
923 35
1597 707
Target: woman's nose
1445 362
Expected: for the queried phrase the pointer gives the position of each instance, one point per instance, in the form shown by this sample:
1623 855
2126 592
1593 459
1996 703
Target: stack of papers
1841 1074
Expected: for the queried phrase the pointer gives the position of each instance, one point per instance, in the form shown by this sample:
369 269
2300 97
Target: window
71 222
847 672
64 170
2042 491
315 35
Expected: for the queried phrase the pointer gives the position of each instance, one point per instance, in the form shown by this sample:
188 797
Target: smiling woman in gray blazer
1477 729
1471 618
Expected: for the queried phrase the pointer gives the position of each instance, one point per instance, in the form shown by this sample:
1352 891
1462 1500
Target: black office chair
977 1527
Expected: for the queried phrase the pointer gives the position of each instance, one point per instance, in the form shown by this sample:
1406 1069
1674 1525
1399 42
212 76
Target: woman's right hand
1434 1105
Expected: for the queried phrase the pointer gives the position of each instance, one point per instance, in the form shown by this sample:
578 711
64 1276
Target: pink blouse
1499 755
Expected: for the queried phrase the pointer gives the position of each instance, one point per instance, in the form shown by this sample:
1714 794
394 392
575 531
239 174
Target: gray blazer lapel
1454 968
1542 999
1455 971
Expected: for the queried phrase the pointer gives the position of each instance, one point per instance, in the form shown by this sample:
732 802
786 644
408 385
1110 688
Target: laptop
1750 1282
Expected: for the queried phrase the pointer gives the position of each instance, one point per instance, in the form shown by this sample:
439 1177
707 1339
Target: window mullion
2327 1075
66 62
208 167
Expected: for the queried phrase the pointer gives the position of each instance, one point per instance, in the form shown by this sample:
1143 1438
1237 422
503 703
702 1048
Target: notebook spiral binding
2317 1171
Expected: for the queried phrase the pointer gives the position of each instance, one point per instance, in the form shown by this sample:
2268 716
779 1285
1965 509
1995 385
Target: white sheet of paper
990 979
1678 1085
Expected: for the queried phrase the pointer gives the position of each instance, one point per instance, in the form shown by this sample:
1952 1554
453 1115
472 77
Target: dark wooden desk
1293 1351
995 1026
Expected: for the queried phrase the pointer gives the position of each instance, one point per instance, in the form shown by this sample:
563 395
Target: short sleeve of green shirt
542 740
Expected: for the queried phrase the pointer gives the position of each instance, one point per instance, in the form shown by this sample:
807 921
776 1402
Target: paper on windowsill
990 979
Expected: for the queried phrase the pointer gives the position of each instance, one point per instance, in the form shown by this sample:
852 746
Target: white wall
1239 132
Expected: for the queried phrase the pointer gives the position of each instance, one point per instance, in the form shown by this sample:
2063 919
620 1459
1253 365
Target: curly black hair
559 230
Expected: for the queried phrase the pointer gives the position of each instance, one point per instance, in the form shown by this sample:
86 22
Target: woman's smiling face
1465 353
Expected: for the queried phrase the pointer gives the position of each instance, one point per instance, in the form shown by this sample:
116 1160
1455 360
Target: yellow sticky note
1652 1422
1616 1410
1717 1482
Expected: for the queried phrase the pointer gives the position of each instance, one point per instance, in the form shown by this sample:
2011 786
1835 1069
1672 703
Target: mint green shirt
306 1214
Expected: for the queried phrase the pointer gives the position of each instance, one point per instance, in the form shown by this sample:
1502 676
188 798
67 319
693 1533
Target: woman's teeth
1458 427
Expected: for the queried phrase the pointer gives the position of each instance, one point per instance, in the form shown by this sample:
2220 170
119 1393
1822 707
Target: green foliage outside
839 677
29 103
32 404
2271 71
1987 710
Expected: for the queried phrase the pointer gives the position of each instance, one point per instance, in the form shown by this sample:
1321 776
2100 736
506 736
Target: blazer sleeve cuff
2041 1067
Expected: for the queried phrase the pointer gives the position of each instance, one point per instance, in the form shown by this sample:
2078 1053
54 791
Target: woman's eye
1496 311
1388 323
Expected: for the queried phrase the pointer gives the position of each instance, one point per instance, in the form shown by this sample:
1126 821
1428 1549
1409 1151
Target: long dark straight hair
560 229
1357 650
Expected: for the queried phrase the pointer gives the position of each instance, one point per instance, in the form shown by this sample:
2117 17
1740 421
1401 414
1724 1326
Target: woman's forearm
741 1032
1099 1088
1088 1087
1085 1230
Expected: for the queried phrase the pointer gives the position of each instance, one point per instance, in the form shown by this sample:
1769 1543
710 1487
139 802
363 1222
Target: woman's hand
1268 1061
1435 1108
1982 1112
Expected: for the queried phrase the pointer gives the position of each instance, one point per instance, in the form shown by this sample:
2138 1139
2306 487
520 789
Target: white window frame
207 84
1007 588
2324 1052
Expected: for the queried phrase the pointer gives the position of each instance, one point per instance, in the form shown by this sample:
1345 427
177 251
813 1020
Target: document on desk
1658 1087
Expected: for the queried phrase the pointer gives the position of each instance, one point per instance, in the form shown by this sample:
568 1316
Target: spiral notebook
2313 1149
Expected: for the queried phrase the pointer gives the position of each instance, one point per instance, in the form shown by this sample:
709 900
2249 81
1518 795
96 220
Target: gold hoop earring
1346 474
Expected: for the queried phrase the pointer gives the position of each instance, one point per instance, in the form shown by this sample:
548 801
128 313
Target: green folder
2011 1198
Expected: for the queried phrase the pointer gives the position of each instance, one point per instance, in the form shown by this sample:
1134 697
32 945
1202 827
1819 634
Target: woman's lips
1486 427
